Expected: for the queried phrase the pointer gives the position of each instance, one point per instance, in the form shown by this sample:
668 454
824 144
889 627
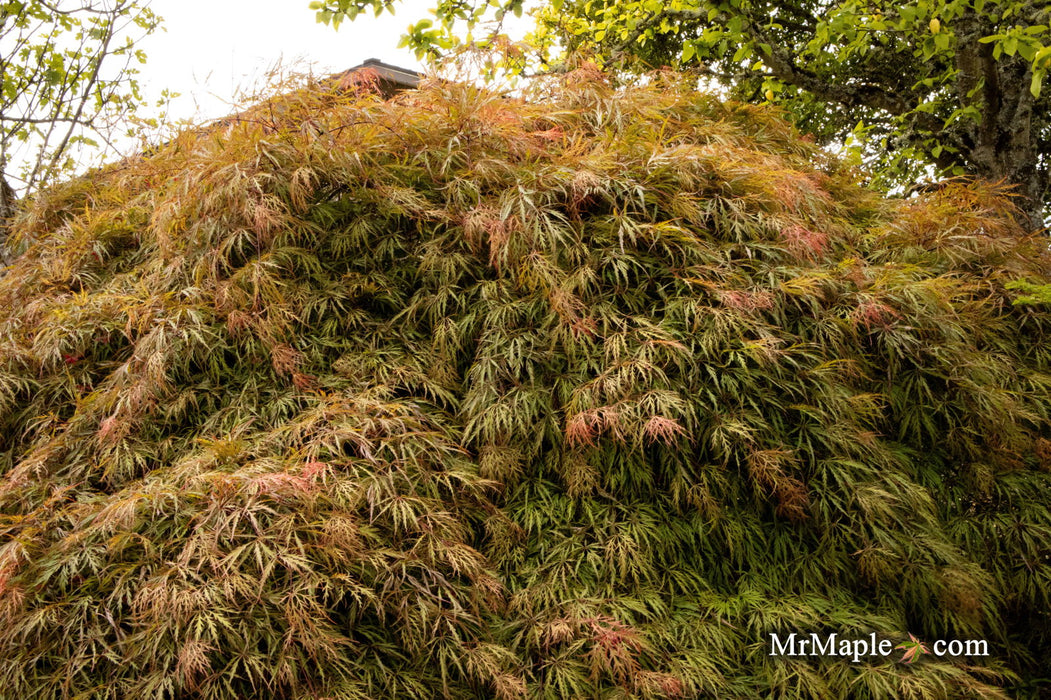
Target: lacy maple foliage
470 395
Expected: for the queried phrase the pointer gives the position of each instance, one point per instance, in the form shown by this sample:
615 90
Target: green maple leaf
913 649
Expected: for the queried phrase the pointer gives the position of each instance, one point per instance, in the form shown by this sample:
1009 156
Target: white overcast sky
213 48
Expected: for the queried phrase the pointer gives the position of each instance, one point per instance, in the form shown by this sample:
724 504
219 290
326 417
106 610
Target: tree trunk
1003 145
8 203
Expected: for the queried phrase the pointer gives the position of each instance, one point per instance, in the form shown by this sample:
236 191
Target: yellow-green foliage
462 395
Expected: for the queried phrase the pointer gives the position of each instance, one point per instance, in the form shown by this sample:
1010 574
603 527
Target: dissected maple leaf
913 649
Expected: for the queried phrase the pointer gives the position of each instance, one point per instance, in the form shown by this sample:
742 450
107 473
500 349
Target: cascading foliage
464 395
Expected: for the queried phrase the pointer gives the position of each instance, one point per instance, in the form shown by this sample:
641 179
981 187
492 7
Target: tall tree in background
920 87
68 79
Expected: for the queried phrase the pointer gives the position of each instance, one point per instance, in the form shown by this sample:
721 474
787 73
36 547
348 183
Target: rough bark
1004 144
8 202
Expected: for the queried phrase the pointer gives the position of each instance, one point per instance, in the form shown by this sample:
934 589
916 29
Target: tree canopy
67 79
468 395
944 87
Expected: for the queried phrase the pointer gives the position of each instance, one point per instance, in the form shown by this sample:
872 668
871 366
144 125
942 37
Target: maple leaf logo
913 649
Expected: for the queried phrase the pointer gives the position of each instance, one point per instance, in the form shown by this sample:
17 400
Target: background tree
919 87
68 79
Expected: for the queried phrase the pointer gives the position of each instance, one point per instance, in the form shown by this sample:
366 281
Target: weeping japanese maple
469 395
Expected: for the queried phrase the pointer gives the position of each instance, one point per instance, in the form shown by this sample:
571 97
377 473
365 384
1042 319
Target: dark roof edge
404 78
